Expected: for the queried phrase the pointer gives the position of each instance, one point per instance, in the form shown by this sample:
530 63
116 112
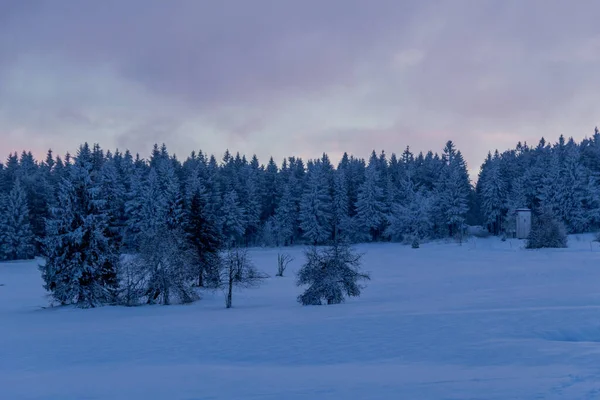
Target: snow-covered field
486 320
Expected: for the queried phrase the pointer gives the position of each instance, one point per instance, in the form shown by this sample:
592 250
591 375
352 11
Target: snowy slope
485 320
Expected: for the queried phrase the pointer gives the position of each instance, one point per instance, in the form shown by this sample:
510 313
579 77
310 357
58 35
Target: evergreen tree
342 223
370 208
493 194
452 191
233 219
411 218
315 208
167 262
80 259
285 218
204 237
16 237
572 190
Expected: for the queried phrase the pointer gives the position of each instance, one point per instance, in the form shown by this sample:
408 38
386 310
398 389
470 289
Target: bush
415 243
546 232
331 274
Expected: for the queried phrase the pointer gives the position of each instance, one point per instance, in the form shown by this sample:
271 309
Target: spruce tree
284 219
232 216
342 223
315 207
204 237
370 206
410 220
80 258
493 195
16 237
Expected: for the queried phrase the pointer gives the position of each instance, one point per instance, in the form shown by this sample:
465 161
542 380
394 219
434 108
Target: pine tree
232 219
252 207
204 237
572 190
315 208
113 191
452 191
411 218
285 218
80 259
342 223
16 237
493 195
165 258
370 207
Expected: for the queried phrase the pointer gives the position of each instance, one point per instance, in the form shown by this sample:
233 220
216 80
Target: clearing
485 320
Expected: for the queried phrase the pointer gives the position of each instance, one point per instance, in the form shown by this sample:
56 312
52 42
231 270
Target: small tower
523 223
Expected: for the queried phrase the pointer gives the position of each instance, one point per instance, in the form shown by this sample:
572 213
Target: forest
102 218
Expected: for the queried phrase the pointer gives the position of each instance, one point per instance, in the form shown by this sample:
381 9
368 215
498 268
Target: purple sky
297 77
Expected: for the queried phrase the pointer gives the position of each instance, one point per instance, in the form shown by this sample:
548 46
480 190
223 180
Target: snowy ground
487 320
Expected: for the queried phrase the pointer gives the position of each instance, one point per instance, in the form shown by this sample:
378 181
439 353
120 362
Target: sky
297 77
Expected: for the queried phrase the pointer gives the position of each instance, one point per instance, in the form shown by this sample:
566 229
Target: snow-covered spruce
546 232
16 236
80 258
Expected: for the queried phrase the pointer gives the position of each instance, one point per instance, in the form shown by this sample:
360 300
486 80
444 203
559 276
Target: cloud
287 77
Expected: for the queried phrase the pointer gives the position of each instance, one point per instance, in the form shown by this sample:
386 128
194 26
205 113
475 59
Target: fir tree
232 219
452 191
342 223
370 208
493 195
315 208
411 218
204 238
80 259
16 237
284 219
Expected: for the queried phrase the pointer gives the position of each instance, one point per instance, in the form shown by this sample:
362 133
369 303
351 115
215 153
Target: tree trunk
201 278
229 294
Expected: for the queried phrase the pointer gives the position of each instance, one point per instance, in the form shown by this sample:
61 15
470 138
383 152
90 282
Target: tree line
239 201
113 227
560 181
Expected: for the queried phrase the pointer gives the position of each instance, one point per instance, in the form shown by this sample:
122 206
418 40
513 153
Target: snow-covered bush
546 232
331 274
168 268
415 243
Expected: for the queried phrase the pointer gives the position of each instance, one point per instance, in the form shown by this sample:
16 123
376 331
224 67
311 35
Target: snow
485 320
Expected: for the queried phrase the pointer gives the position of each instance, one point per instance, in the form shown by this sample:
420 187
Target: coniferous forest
115 228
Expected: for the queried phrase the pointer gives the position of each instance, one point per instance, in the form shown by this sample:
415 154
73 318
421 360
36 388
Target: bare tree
237 270
132 280
283 260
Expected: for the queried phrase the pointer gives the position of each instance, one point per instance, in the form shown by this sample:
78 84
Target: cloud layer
290 77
